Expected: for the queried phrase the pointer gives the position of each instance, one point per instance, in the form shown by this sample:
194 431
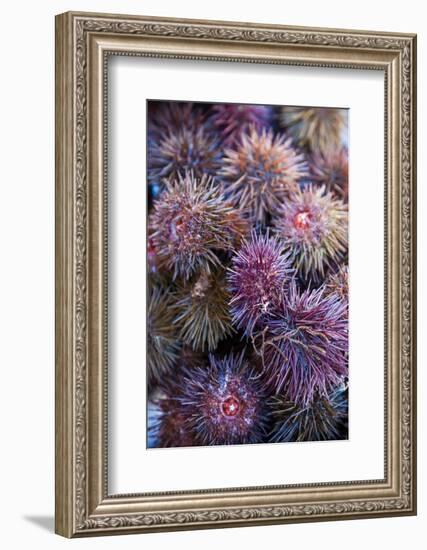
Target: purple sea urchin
190 222
189 148
323 419
331 170
233 119
162 344
202 316
256 279
305 350
261 173
318 128
167 426
224 402
313 226
151 256
165 117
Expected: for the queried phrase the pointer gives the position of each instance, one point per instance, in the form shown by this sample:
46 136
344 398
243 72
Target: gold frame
83 43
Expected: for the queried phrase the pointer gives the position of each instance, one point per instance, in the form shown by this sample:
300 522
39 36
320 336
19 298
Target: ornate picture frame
84 42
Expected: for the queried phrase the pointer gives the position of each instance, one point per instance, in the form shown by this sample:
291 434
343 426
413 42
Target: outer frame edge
64 382
63 277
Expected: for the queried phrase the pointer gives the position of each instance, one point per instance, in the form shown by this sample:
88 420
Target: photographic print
247 274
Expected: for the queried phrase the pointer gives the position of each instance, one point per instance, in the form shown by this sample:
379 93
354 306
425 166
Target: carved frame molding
83 43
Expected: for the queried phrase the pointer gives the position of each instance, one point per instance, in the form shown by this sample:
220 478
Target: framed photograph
235 274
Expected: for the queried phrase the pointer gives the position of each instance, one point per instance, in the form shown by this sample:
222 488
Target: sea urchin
313 226
306 350
256 279
234 119
324 419
202 316
189 148
319 128
331 170
337 283
162 343
167 426
224 402
165 117
190 222
261 172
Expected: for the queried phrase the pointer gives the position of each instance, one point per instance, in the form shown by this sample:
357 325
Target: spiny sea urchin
256 279
305 352
323 419
152 259
319 128
167 426
233 119
260 172
202 315
337 283
162 344
190 222
224 402
331 170
189 148
313 226
165 117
